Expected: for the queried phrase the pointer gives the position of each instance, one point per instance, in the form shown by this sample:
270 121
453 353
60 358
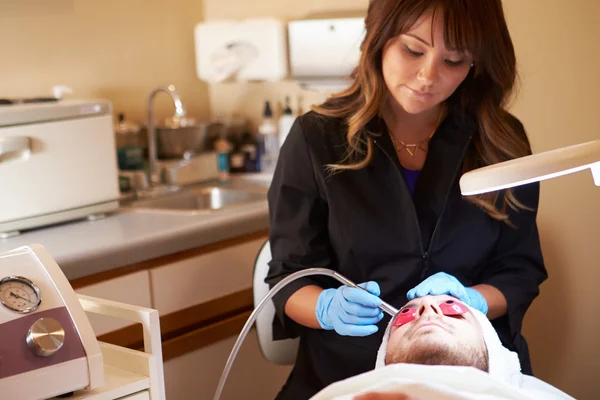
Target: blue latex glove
350 311
443 283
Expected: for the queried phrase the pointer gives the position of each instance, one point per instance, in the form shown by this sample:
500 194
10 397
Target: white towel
435 382
429 382
503 363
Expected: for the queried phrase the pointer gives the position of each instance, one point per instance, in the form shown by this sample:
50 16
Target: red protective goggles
448 307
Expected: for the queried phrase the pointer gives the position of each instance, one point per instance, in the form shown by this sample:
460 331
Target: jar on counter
130 145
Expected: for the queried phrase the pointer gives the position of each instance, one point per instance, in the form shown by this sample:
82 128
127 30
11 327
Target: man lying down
439 348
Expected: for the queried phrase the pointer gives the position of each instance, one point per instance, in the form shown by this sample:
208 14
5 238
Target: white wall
119 50
559 58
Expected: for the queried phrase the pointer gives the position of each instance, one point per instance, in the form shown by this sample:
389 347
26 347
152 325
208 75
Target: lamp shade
533 168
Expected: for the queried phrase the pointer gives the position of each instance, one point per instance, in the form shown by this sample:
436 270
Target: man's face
436 339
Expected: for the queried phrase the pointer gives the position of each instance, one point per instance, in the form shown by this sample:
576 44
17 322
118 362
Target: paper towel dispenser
248 50
323 52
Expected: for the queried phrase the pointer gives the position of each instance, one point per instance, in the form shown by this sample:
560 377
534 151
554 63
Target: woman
367 185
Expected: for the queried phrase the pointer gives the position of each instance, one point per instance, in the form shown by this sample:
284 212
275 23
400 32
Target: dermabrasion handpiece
384 306
310 271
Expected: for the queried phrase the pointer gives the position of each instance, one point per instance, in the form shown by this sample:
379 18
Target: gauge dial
19 294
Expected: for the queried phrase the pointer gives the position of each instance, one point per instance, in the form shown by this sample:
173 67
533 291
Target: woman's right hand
350 311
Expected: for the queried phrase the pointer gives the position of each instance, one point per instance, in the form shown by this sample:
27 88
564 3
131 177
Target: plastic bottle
268 142
285 122
248 147
237 126
223 148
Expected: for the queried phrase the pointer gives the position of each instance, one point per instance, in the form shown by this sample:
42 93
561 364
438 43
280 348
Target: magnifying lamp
533 168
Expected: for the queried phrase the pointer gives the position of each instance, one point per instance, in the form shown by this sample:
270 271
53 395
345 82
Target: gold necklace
413 148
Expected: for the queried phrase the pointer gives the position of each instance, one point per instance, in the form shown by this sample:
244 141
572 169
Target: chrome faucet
179 112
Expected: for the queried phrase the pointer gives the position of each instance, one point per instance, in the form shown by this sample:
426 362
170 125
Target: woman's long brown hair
477 26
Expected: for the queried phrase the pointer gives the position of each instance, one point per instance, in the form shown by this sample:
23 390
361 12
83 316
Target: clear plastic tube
296 275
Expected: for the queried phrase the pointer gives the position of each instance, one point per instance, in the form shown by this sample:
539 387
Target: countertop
83 248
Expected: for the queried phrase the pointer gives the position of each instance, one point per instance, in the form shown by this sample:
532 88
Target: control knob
45 337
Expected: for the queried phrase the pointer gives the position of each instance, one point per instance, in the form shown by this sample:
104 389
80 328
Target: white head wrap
503 363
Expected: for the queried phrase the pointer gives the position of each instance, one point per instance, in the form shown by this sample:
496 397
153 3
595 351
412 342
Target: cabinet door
138 396
195 375
130 289
206 277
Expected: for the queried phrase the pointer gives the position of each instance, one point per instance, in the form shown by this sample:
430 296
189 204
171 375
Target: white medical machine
48 347
57 163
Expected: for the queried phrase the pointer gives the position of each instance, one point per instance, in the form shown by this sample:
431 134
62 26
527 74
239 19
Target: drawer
145 395
199 279
195 375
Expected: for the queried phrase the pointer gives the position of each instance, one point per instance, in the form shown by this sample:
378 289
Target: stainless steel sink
204 199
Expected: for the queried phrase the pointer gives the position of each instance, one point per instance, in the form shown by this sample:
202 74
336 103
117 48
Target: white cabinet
205 277
137 396
195 375
130 289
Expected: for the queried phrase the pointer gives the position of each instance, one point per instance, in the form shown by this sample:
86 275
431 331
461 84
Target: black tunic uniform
366 225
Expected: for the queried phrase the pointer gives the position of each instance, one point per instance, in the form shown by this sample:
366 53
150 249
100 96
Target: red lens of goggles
448 307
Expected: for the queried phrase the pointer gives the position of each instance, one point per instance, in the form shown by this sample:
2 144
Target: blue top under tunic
410 177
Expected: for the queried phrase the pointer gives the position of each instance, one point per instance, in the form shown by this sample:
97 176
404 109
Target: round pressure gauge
19 294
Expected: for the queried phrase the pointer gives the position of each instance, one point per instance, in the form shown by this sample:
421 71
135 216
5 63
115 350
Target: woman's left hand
443 283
